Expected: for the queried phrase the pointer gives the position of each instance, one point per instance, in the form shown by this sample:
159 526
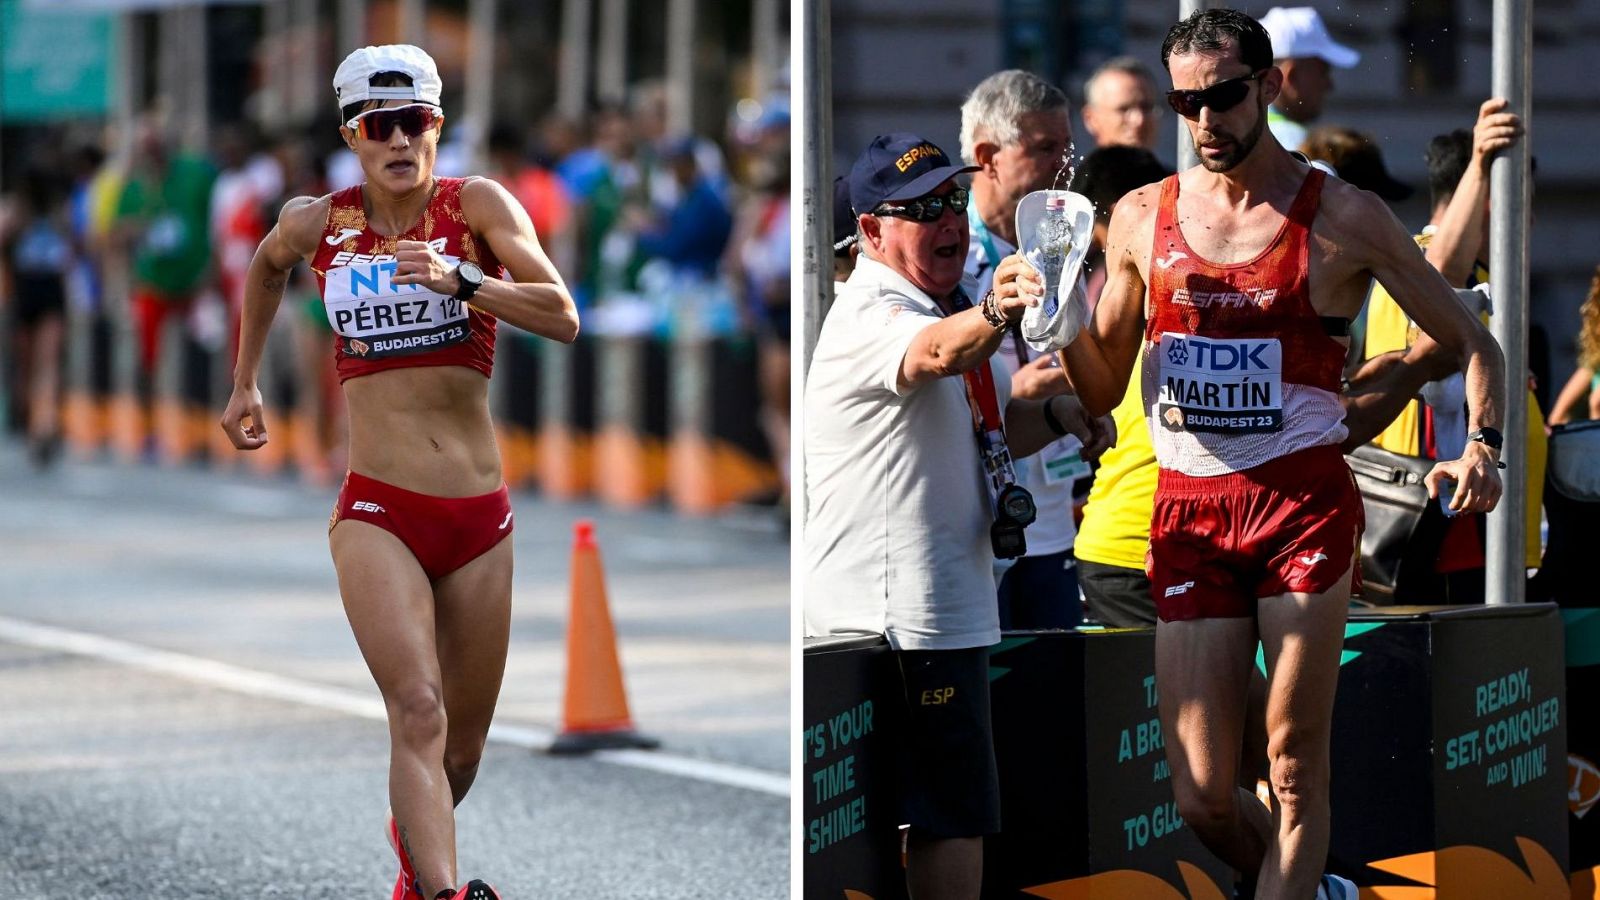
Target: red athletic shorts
443 533
1219 544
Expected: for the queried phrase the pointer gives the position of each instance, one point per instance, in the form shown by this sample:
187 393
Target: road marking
278 687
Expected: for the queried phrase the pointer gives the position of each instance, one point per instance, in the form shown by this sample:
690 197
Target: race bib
1220 385
378 318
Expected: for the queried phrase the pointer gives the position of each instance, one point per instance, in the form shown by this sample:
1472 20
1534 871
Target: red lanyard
983 398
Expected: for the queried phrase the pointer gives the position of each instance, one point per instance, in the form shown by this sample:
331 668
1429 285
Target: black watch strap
1489 437
1051 420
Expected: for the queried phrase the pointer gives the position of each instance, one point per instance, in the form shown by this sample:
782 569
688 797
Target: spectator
902 527
539 190
1583 389
1355 157
164 214
1454 242
1015 129
1306 54
1103 177
693 234
38 248
1119 104
758 265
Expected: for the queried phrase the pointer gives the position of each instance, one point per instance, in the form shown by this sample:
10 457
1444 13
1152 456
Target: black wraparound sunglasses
927 208
1220 97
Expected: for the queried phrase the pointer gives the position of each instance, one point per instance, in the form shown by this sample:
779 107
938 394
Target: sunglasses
927 208
1220 97
378 124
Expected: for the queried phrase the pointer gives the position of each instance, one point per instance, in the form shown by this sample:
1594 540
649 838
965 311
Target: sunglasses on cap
926 208
1220 97
378 124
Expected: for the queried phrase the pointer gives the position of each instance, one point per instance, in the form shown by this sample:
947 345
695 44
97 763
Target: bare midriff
425 429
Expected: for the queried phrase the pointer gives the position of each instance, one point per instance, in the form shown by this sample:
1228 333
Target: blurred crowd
147 249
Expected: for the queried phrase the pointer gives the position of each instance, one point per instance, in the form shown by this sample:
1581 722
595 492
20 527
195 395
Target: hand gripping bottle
1053 229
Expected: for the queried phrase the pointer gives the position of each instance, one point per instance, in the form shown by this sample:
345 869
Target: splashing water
1069 166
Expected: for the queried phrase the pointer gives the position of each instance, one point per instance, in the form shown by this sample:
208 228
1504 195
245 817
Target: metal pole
413 21
308 64
352 26
573 91
611 70
815 69
765 49
130 68
479 83
1187 158
680 66
275 33
1508 267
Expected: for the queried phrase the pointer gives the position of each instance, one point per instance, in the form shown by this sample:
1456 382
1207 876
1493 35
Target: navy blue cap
899 166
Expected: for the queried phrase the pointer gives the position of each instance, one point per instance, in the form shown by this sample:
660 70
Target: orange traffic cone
594 713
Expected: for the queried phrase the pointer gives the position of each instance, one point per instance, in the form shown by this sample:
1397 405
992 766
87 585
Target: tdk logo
1236 356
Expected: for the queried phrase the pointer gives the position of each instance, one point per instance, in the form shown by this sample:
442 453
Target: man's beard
1241 148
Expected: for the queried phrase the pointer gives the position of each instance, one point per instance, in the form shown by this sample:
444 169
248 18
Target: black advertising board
1086 801
1583 749
853 709
1449 735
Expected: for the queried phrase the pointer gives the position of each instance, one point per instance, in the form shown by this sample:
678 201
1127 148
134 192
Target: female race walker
411 271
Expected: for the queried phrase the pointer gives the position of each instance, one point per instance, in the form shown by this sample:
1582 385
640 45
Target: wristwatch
1489 437
470 277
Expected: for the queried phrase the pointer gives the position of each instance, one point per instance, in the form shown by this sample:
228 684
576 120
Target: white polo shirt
896 538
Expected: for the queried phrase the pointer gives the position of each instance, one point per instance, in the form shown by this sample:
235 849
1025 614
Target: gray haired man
1015 129
1119 104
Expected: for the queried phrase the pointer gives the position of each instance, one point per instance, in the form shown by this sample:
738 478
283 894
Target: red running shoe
405 886
476 890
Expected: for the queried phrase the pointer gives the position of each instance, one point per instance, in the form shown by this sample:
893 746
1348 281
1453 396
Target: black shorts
950 782
37 297
1115 596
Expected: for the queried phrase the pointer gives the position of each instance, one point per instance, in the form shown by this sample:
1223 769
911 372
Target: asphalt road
184 714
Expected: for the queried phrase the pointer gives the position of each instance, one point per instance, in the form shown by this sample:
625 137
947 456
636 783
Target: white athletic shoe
1332 887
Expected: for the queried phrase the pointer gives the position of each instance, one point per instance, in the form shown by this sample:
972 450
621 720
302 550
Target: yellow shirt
1116 521
1389 328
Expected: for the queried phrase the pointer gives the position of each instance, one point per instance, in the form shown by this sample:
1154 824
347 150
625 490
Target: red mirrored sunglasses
378 124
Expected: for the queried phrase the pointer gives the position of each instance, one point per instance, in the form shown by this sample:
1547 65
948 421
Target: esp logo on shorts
366 506
937 696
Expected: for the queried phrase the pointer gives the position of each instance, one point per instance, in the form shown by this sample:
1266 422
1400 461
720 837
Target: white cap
1297 33
350 82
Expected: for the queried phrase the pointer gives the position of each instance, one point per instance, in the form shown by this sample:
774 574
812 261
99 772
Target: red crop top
381 325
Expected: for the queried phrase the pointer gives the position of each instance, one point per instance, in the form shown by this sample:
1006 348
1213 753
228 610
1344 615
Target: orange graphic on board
1473 873
1583 784
1121 884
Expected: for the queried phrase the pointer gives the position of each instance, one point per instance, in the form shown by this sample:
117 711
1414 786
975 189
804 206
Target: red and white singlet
1238 369
382 325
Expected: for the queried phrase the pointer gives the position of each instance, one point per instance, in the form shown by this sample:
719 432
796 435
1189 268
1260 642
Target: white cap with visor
350 82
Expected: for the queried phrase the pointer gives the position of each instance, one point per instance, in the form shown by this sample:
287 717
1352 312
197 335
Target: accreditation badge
1063 461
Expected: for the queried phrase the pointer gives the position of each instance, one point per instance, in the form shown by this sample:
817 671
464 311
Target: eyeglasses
1220 97
378 124
928 208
